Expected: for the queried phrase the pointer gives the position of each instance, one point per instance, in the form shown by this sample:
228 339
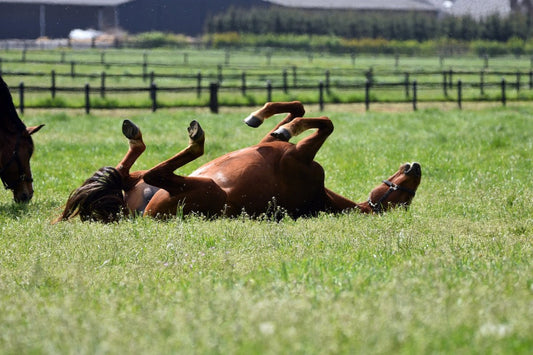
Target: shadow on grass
14 210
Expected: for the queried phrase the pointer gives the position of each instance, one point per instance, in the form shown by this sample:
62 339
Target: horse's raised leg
136 148
256 118
307 148
194 194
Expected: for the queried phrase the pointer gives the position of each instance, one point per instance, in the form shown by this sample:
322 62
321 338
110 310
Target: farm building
30 19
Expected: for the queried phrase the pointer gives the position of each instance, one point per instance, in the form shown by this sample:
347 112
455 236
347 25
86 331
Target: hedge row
335 44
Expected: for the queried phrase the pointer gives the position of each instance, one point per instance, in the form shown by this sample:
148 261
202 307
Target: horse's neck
11 124
9 119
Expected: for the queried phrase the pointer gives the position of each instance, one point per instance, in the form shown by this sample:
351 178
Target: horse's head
397 190
15 172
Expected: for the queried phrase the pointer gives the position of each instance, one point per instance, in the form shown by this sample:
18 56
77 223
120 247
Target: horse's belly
256 185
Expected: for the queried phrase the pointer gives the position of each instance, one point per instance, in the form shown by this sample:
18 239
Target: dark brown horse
270 176
16 148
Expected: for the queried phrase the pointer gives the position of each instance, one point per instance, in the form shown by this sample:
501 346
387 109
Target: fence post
530 79
87 99
396 60
102 57
504 98
294 77
72 69
145 69
482 82
445 83
269 91
450 79
24 53
327 80
21 97
53 86
406 84
367 95
219 67
226 58
353 56
153 95
460 94
213 97
414 95
199 84
517 81
321 95
243 83
486 61
285 83
102 84
62 57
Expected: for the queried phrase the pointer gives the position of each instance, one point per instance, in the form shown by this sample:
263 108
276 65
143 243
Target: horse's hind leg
307 148
256 118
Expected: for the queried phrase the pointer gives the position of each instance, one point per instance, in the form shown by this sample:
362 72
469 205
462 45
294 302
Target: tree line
351 24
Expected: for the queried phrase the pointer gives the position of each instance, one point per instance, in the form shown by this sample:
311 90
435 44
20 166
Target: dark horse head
16 148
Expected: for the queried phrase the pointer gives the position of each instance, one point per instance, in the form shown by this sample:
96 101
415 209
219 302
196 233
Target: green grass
452 274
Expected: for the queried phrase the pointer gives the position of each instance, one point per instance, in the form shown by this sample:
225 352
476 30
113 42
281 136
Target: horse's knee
155 177
327 125
298 109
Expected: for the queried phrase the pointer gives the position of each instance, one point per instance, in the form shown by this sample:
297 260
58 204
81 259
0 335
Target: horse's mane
9 119
99 199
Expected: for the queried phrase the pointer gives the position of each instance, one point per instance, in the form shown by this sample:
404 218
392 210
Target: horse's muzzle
23 197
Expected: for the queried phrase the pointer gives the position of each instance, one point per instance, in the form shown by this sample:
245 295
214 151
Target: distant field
292 74
453 274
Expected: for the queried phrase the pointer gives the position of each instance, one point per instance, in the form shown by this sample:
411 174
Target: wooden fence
411 90
253 79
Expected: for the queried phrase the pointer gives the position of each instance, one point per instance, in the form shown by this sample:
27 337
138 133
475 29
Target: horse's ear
33 129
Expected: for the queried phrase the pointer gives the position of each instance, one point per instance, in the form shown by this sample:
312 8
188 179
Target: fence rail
411 92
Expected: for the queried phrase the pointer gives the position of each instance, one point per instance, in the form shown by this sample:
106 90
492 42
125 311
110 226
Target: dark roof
69 2
393 5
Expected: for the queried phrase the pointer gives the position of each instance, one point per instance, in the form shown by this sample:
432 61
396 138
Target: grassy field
453 274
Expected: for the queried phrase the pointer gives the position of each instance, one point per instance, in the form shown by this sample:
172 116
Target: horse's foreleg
336 203
136 148
161 175
307 148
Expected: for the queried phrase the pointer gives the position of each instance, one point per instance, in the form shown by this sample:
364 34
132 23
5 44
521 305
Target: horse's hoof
195 131
129 129
282 134
253 121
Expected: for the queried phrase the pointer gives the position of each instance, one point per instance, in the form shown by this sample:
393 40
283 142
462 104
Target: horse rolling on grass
251 180
16 148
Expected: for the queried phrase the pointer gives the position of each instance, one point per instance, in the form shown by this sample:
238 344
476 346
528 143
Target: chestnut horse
261 179
16 148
